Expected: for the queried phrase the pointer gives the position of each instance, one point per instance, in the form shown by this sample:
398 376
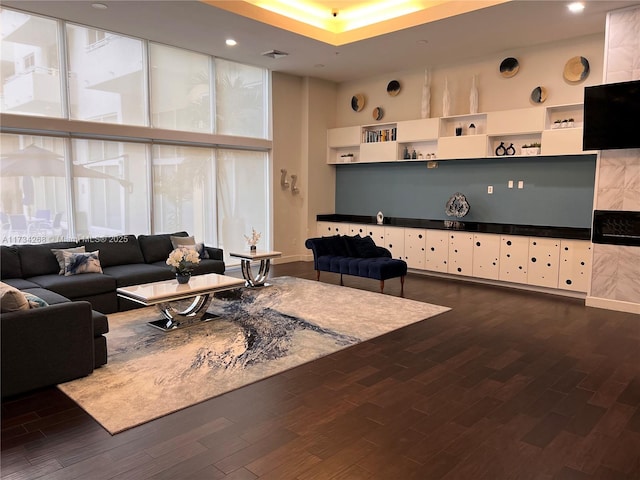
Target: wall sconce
284 183
283 179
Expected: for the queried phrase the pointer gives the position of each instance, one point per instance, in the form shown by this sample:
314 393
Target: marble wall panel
615 273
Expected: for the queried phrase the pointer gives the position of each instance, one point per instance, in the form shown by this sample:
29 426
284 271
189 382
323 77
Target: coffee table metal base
194 314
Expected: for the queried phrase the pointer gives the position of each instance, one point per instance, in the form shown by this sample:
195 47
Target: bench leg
341 282
402 286
318 275
381 286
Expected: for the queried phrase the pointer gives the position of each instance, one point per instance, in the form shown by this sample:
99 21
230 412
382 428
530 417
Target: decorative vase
473 96
425 108
446 99
183 277
252 248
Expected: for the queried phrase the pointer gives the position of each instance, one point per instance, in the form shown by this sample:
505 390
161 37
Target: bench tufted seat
356 256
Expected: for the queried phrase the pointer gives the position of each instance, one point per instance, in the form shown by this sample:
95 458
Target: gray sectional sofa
65 339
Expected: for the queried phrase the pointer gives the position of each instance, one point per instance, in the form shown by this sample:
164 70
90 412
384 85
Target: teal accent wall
558 190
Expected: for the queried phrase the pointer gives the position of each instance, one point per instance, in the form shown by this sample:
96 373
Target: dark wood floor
507 385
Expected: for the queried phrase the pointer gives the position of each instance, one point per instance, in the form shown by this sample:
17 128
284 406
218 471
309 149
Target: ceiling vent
275 54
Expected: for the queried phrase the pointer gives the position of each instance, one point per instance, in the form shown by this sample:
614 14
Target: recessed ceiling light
576 7
99 6
231 42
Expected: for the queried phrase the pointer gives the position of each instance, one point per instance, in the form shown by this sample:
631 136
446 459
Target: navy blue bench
357 256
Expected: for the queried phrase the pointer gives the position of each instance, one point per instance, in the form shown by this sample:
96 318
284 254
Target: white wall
539 66
302 110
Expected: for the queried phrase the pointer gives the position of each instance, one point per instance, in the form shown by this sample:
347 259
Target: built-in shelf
557 129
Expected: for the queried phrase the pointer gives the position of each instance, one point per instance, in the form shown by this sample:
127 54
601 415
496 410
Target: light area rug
259 333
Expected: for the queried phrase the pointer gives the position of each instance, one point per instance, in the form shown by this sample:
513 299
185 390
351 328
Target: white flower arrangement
183 259
253 239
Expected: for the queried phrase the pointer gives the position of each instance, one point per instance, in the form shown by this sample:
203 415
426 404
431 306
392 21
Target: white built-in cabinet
514 258
415 247
437 256
460 252
552 130
544 262
486 256
394 241
537 261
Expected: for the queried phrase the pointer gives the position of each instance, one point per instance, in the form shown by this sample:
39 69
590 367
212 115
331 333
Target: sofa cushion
52 298
59 254
9 262
135 274
77 286
79 263
157 247
20 283
118 250
36 260
209 265
382 268
12 299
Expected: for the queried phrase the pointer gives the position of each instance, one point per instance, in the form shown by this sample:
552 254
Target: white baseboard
609 304
293 258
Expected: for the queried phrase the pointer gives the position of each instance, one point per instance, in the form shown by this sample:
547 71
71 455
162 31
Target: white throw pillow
189 242
58 252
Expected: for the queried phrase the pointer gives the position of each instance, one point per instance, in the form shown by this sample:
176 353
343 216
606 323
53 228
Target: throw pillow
350 245
335 245
366 247
77 263
58 252
189 242
35 301
12 299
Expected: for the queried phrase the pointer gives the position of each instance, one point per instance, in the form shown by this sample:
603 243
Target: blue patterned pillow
77 263
34 300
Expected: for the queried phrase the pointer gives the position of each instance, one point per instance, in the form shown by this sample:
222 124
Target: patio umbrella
38 162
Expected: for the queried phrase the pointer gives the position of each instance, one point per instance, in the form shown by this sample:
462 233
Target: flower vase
252 248
183 277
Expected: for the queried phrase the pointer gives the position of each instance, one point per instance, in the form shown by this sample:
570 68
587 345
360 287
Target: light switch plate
510 184
521 184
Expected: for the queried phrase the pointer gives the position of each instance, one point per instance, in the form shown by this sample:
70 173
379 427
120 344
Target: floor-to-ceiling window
168 139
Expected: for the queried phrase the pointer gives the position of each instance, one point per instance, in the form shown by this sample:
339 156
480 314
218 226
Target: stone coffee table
199 290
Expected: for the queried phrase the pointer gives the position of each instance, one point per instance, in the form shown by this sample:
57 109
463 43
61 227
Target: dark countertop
574 233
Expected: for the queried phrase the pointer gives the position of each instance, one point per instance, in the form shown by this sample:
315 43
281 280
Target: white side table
247 257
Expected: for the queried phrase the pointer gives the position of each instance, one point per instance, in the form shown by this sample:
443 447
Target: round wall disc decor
457 206
393 88
377 113
509 67
576 69
357 102
538 95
